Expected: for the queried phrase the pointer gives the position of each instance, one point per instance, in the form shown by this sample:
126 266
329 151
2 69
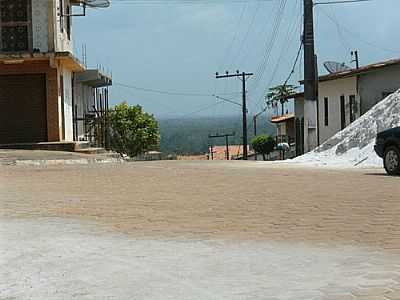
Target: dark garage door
23 109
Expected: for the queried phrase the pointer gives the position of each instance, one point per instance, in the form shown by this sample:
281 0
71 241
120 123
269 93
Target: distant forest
190 136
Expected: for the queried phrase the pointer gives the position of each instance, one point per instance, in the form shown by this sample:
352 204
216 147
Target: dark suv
387 146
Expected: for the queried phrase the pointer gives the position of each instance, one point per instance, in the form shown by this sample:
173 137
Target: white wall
374 85
333 90
62 41
310 125
40 25
68 112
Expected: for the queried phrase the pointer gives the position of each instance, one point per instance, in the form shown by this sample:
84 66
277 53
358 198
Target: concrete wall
40 25
373 86
63 43
333 90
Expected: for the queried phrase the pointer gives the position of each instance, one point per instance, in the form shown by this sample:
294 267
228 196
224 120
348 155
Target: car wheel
391 160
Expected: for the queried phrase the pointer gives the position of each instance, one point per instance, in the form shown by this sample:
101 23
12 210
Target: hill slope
190 136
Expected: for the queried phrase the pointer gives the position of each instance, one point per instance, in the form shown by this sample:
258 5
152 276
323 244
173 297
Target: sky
163 54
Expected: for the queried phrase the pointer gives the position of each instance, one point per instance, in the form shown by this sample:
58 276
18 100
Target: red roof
295 96
280 119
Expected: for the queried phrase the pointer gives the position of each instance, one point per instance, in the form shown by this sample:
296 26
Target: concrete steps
83 148
49 146
91 150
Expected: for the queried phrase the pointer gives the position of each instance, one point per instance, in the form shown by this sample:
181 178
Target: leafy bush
263 144
133 131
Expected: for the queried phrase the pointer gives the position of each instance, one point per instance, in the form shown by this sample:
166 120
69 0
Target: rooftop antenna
86 4
97 3
334 67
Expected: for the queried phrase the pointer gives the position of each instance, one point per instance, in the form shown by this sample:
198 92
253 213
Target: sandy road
238 200
198 230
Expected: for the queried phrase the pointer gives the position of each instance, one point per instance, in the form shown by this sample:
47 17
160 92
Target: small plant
263 144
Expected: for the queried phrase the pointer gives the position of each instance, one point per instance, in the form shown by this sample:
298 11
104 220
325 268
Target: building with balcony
45 91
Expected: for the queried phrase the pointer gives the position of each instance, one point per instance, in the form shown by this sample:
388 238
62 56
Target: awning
281 119
94 78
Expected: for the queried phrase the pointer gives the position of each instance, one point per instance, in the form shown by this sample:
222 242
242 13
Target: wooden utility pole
255 124
226 136
309 51
255 119
310 76
243 76
355 58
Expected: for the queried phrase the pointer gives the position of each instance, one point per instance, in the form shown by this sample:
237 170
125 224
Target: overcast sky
177 46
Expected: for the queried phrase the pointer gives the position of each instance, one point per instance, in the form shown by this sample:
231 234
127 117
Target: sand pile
354 146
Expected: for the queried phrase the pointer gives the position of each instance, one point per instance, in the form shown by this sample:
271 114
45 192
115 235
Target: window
15 25
353 108
69 22
342 113
62 15
326 111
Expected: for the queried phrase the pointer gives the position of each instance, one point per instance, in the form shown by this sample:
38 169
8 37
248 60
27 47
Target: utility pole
354 56
310 76
255 125
226 136
243 76
255 119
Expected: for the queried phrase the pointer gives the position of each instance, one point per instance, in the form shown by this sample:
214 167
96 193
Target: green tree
133 131
263 144
279 95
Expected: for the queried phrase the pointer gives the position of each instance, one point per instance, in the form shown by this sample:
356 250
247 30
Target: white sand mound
354 146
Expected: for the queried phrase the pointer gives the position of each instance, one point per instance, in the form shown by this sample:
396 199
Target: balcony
94 78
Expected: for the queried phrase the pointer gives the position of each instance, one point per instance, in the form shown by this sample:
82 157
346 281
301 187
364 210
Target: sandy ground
198 230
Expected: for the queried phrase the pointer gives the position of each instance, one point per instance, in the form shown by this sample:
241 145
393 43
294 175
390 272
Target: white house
344 96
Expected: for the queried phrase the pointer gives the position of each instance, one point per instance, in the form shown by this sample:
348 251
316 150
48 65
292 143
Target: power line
341 2
294 64
269 45
167 2
201 110
354 34
170 93
228 49
243 42
285 45
228 100
332 18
